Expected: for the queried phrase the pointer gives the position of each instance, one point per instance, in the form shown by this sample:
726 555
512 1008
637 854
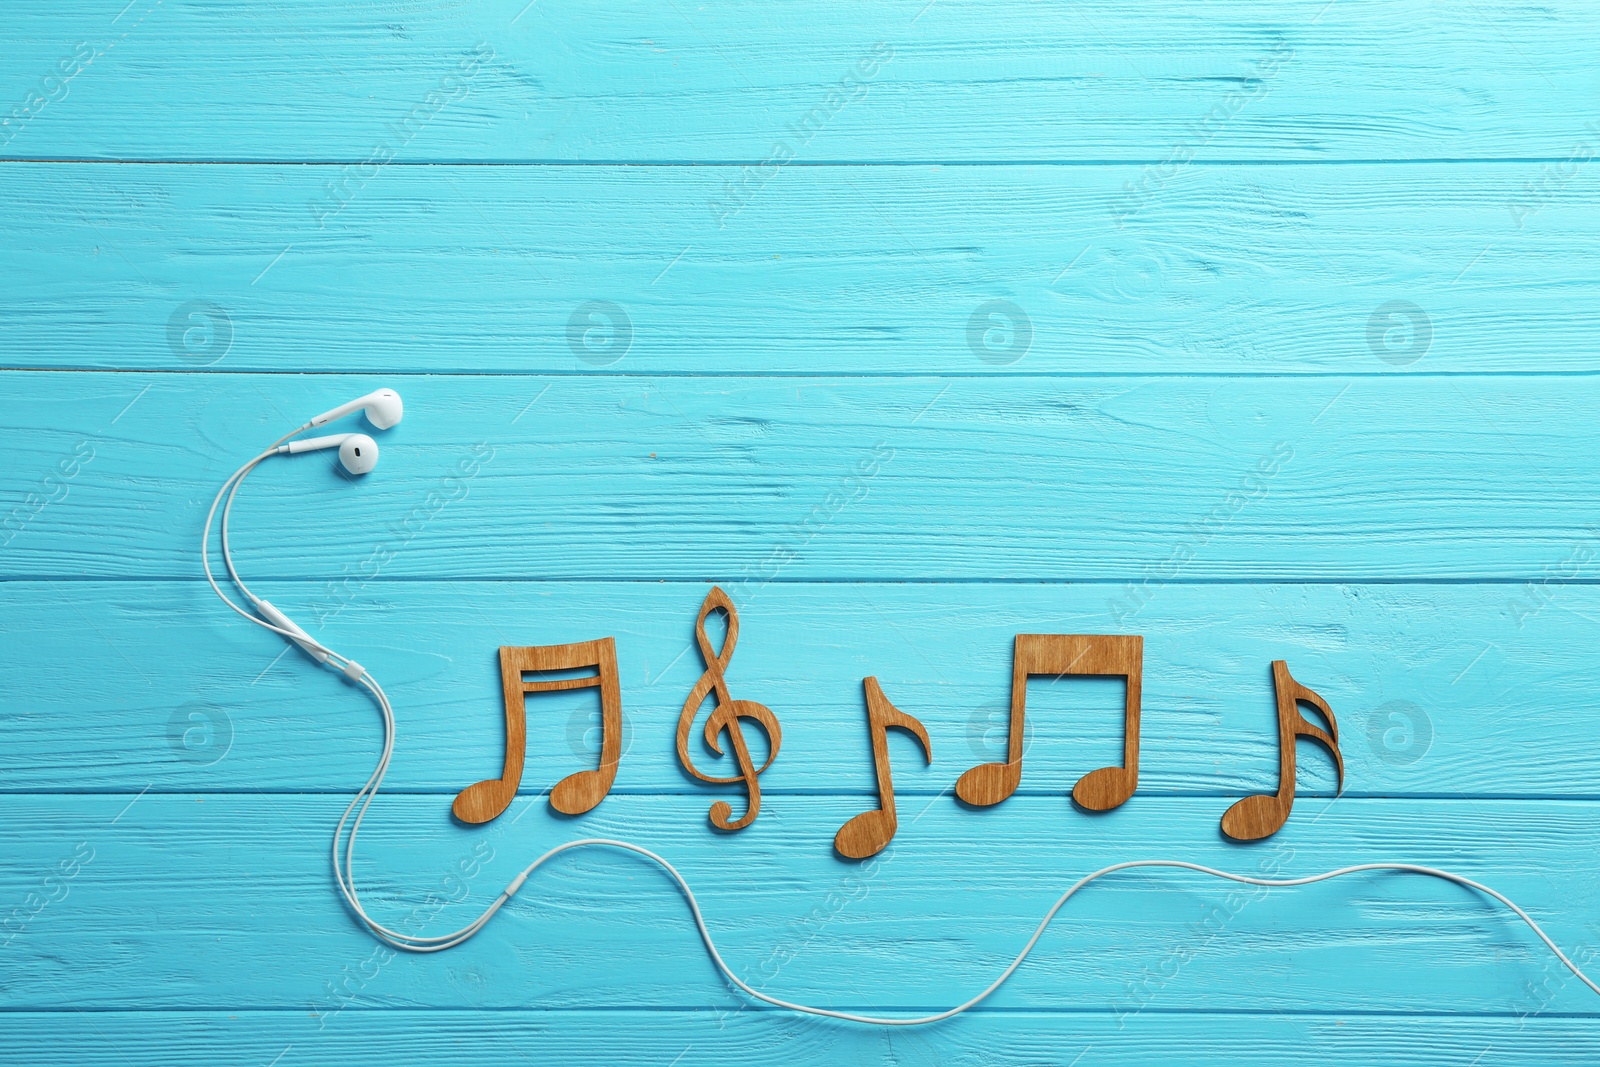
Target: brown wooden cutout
868 833
576 793
726 716
1058 654
1262 816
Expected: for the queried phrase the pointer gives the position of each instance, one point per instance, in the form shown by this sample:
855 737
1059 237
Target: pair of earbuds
358 453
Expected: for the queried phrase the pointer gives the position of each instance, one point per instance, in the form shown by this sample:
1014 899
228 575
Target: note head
1104 789
865 835
483 801
988 783
1255 817
581 791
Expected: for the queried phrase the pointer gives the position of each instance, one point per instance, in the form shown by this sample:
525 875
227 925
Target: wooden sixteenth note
1264 815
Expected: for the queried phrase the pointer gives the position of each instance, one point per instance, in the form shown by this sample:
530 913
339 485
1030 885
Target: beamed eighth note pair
529 670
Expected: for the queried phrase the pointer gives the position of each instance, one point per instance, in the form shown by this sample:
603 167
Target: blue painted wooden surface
1061 276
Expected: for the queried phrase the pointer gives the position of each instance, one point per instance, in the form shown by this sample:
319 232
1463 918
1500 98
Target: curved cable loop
343 864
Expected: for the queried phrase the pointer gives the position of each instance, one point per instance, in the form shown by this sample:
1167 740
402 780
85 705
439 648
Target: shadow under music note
578 792
1264 815
867 834
1059 654
726 716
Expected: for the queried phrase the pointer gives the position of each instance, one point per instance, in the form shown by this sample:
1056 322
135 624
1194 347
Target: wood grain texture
726 717
1057 656
870 832
1265 331
1264 814
922 926
971 81
577 792
1440 692
1269 269
1140 482
736 1039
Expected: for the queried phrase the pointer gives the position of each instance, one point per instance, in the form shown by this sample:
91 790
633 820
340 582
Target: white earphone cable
343 865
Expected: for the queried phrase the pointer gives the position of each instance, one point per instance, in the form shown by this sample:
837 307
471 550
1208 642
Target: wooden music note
868 833
1057 654
1262 816
726 716
576 793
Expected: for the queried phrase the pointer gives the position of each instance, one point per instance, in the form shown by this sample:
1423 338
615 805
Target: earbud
358 453
383 408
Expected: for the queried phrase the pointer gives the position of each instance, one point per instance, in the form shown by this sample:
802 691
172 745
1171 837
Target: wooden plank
1025 1039
1436 691
976 81
180 889
1067 320
1265 269
1134 481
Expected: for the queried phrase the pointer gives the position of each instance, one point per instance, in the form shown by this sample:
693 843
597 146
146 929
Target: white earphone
358 453
382 406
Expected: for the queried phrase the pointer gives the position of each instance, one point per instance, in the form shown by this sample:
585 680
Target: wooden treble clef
726 716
